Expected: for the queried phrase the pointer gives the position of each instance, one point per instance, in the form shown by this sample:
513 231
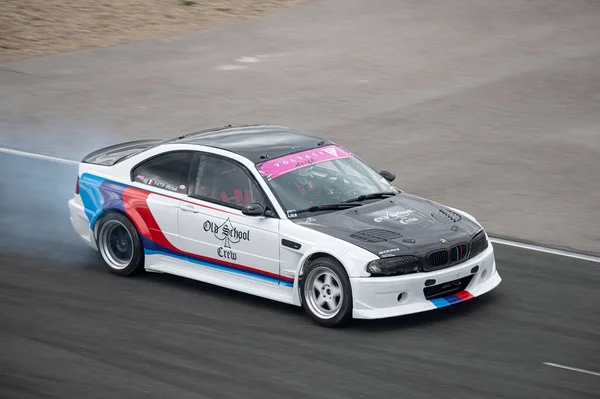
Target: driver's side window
225 182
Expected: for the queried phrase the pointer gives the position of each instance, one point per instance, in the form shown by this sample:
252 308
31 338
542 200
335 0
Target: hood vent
375 235
446 216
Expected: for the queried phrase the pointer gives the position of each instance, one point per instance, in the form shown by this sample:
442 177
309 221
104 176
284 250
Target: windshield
321 176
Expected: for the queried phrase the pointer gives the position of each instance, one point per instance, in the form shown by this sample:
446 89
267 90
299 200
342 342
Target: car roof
254 142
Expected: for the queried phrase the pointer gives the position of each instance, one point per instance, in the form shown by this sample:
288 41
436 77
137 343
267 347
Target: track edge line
497 239
582 255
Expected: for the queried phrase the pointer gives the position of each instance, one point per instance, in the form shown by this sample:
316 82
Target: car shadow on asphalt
476 306
469 308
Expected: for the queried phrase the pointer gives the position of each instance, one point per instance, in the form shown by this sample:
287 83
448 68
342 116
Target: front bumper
81 223
381 297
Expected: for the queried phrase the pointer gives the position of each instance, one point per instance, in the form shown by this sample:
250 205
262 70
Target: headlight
394 266
479 243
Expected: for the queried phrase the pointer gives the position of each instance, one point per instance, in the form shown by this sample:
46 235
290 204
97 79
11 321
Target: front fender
313 243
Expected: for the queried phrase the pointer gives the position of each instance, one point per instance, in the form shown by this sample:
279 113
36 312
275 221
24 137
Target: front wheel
326 292
119 244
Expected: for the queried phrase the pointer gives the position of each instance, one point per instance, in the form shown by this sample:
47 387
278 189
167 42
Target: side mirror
253 210
389 176
270 213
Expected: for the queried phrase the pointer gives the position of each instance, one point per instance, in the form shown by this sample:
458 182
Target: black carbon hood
401 225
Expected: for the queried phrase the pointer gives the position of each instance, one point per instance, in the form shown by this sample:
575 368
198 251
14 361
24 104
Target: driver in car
311 189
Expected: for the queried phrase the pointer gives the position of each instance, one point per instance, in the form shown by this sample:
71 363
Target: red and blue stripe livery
100 195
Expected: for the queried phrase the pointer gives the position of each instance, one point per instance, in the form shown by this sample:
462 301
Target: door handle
188 208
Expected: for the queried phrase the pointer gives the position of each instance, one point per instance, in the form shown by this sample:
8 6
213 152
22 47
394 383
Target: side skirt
157 263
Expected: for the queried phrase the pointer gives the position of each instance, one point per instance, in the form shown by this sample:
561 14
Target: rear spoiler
109 156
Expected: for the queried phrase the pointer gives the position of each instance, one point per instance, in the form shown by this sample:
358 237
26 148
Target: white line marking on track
275 55
38 156
247 59
560 366
494 240
551 251
232 67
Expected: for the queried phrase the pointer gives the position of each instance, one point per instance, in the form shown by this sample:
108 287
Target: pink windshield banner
280 166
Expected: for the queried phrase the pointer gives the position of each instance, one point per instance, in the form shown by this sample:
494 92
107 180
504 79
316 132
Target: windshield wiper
326 207
363 197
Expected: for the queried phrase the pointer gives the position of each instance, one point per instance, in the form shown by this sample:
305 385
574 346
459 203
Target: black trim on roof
258 143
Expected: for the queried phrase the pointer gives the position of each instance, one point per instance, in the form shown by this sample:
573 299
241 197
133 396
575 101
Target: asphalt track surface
70 329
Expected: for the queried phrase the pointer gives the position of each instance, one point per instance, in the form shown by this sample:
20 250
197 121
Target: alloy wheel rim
116 244
323 292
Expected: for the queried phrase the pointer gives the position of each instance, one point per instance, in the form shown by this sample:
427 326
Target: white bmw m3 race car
282 214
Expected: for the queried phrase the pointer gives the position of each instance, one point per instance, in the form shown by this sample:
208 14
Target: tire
120 245
319 281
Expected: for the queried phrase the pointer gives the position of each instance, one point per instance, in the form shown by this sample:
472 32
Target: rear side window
168 171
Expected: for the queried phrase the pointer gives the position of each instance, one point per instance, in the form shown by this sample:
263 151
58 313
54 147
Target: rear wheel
119 244
326 292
